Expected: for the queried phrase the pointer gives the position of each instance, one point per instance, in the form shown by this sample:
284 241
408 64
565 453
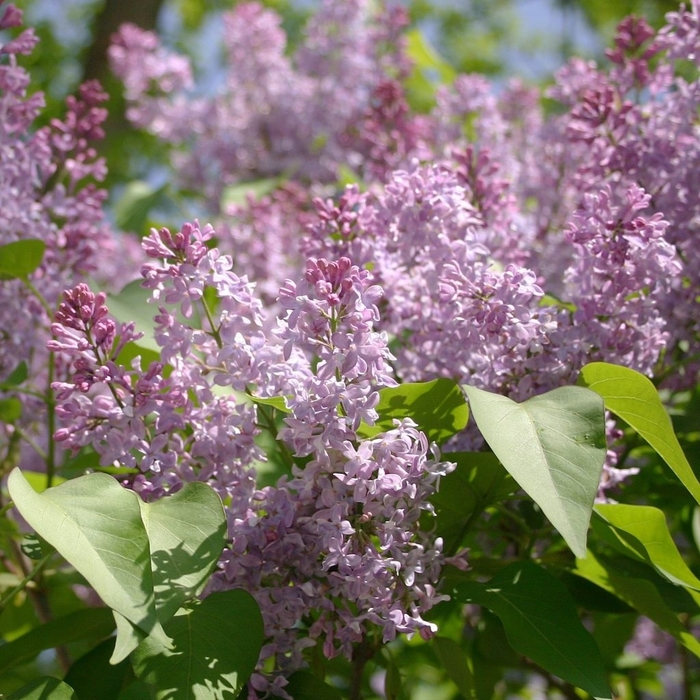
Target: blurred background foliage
498 38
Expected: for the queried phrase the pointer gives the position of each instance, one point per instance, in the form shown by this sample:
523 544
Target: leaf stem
23 583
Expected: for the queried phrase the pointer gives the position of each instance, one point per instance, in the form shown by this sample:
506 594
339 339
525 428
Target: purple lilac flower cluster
334 551
593 205
48 191
184 424
276 113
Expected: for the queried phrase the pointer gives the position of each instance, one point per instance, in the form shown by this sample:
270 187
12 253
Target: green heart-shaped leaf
554 446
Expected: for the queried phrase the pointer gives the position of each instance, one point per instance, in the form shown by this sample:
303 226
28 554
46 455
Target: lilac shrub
334 550
485 243
48 192
276 114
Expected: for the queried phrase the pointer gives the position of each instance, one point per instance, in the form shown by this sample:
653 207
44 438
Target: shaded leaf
216 643
554 447
93 677
631 396
187 532
20 258
541 621
639 594
455 664
136 691
642 533
478 481
438 407
131 304
131 211
31 547
307 686
393 687
88 623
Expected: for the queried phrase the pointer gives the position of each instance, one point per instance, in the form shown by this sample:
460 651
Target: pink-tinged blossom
172 426
48 191
337 547
276 114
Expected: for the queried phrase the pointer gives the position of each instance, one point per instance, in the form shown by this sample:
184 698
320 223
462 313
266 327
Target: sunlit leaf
642 533
44 688
632 397
96 525
554 446
21 258
438 407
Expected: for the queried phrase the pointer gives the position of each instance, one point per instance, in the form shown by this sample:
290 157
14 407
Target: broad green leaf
129 636
612 633
132 210
133 349
216 644
639 594
95 524
455 664
20 258
304 685
438 407
187 532
93 677
88 623
591 597
136 691
277 402
478 481
10 410
17 376
642 533
541 622
553 445
44 688
631 396
237 195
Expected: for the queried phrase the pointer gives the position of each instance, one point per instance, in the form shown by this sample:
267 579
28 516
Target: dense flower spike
344 529
276 114
48 192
